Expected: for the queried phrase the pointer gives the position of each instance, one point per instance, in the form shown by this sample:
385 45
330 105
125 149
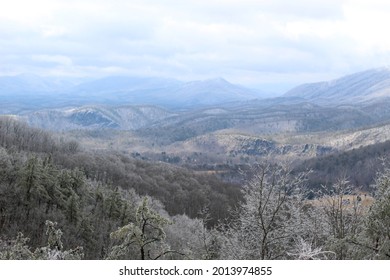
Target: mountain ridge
354 88
24 92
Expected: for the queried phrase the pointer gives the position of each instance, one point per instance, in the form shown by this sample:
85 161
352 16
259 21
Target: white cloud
247 41
56 59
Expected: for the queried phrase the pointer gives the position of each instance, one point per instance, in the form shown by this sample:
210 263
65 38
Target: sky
266 44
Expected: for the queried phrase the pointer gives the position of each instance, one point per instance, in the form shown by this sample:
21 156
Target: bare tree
269 219
343 215
378 220
307 251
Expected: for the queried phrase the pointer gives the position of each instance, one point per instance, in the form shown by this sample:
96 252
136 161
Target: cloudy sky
269 44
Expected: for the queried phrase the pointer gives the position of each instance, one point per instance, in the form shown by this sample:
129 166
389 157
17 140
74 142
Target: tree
16 249
72 209
143 239
343 216
19 250
54 249
378 220
306 251
270 217
31 177
192 237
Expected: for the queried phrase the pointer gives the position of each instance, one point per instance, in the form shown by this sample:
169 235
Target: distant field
349 202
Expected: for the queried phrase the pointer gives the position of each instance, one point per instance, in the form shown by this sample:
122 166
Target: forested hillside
60 201
91 194
360 166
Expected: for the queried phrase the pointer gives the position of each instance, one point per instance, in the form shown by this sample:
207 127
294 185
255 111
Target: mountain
159 91
27 92
29 83
366 86
259 118
124 83
212 107
168 126
211 92
97 117
23 93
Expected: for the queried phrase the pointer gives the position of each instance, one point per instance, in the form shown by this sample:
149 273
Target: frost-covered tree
305 250
55 249
378 220
192 238
18 249
343 216
269 219
143 239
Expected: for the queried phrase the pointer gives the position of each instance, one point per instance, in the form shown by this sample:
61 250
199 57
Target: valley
88 152
213 134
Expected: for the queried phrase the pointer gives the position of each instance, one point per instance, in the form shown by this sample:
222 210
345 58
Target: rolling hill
97 117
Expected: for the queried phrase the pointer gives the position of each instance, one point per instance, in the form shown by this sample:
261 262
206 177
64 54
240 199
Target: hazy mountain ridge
298 124
29 83
19 93
29 92
359 87
165 92
166 126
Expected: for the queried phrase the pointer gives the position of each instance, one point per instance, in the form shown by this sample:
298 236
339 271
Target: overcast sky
270 44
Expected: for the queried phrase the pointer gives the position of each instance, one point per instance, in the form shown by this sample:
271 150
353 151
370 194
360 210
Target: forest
59 200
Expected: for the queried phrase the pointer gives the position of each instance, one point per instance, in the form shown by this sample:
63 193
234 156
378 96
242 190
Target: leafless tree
269 219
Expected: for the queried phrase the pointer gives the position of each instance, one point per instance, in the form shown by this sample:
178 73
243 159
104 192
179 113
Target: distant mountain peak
356 87
120 90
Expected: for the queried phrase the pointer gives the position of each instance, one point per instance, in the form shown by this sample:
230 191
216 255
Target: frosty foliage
378 220
144 239
19 250
270 218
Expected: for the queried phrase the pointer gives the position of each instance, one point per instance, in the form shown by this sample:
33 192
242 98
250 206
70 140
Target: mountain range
24 93
211 125
156 106
28 92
